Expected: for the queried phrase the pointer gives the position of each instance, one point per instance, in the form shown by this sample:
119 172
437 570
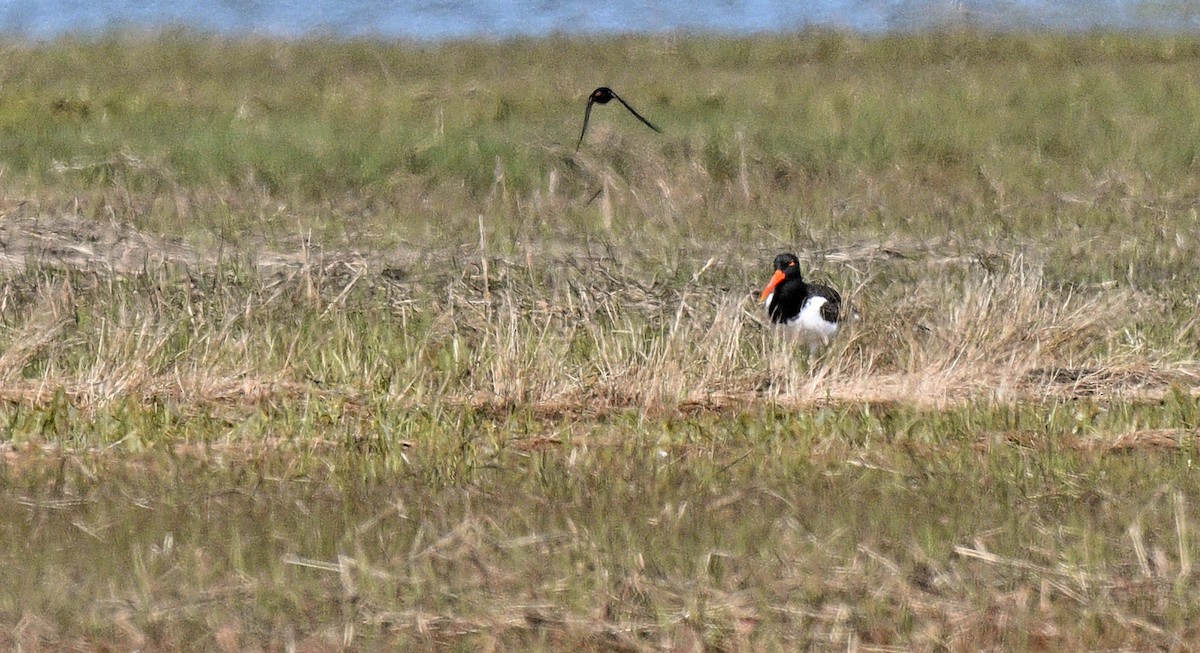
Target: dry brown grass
824 592
595 334
401 378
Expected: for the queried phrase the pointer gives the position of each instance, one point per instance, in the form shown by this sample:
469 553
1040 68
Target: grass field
320 345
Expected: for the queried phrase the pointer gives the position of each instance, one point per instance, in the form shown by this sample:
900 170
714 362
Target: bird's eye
791 264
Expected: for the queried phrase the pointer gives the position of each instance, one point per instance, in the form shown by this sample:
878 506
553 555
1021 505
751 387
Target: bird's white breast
810 323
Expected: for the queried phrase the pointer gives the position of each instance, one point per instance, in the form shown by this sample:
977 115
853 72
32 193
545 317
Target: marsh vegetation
324 345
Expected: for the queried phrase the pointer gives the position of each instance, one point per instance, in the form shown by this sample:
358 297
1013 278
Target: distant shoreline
513 19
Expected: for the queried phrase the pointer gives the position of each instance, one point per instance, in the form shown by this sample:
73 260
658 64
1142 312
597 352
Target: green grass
830 136
888 527
320 345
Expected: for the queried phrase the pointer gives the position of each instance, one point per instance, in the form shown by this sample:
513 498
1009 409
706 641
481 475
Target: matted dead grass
573 429
592 341
578 335
822 592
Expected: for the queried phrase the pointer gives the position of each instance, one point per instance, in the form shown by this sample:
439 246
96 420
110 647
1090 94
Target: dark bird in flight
602 95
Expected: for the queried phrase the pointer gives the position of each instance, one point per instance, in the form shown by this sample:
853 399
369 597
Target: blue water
458 19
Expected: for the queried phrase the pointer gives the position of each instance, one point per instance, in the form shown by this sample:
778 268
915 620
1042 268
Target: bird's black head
787 267
602 95
787 264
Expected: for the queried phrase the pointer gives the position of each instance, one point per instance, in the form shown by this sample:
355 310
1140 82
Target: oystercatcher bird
810 310
603 95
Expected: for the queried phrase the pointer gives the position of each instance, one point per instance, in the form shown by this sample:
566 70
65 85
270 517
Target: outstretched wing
635 113
587 113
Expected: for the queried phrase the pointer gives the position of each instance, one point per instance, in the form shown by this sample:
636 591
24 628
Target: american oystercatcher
810 310
603 95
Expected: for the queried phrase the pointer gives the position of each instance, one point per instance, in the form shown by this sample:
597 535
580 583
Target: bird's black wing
832 308
587 113
635 113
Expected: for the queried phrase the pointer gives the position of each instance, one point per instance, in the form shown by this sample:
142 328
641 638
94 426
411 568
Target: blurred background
462 19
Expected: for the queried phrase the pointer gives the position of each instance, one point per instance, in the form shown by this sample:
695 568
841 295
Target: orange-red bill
775 279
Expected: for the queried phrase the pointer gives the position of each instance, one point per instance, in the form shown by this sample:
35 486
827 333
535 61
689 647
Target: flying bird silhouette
603 95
